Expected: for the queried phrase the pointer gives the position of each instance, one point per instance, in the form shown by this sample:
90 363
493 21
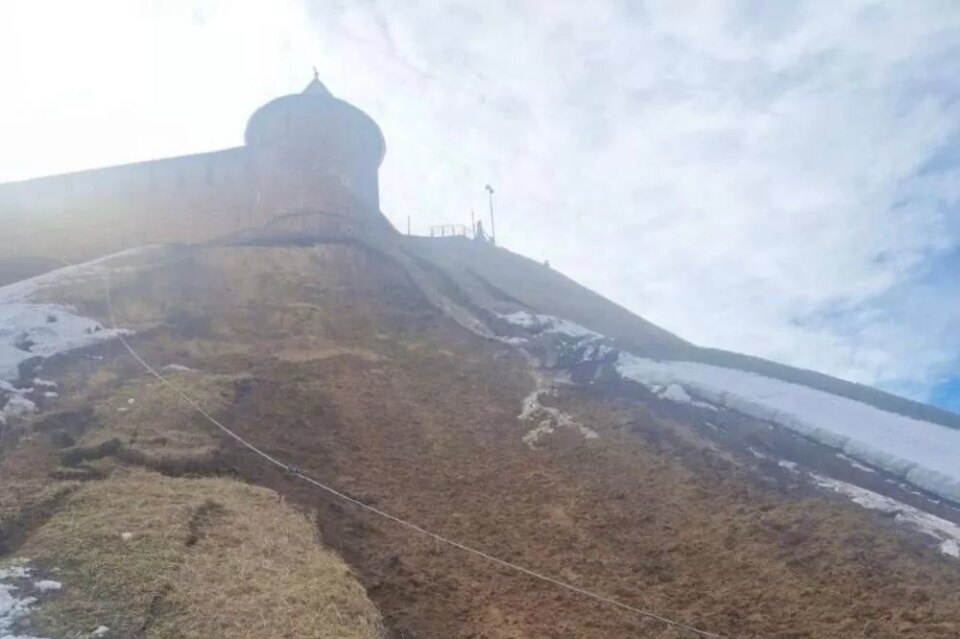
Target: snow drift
923 453
30 329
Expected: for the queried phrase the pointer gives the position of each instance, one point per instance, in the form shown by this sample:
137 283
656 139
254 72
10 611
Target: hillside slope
499 279
413 386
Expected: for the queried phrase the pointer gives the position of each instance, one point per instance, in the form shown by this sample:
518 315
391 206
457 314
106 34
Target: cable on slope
398 520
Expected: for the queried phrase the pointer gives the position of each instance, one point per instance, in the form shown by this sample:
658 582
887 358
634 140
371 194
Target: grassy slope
204 558
152 555
330 358
501 280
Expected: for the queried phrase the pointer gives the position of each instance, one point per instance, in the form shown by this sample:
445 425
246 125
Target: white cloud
743 173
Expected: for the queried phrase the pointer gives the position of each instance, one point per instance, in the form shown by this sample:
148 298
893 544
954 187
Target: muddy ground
393 403
646 513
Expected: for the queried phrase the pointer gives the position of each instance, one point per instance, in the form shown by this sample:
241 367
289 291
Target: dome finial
316 86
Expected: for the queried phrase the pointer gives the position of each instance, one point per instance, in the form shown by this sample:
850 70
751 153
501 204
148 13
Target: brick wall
188 199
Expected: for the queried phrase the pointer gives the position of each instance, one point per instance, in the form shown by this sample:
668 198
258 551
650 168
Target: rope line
372 509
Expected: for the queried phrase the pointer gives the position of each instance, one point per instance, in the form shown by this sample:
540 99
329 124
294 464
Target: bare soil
647 513
354 378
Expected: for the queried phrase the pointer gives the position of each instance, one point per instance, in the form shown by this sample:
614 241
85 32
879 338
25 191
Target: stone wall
188 199
90 213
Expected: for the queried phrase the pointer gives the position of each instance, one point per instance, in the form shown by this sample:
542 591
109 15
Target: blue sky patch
947 395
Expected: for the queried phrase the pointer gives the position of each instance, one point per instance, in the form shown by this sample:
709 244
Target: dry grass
27 496
207 558
264 575
31 458
24 505
158 424
85 288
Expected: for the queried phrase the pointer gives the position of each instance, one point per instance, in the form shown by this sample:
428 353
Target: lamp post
493 228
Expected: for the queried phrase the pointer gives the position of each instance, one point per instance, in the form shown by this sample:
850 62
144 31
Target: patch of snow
13 606
180 368
789 465
93 270
126 536
50 394
14 571
601 351
675 393
131 401
595 351
925 454
17 406
548 419
44 382
756 453
853 462
548 324
946 532
45 585
30 329
909 489
26 333
100 631
951 547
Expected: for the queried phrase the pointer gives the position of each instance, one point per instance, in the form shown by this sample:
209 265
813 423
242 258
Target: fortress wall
319 185
90 213
290 185
308 169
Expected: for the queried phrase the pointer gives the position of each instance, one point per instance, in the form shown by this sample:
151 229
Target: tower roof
316 87
313 117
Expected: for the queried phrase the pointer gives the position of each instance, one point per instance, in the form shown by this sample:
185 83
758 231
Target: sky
775 178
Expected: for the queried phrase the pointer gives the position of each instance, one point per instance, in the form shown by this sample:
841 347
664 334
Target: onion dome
315 122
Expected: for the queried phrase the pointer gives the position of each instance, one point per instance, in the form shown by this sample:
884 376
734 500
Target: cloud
753 176
773 178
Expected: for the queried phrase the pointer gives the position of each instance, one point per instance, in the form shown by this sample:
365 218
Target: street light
493 229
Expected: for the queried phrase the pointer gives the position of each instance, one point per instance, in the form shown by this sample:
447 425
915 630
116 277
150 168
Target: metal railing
450 230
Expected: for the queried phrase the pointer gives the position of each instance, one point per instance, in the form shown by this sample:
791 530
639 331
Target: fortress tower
313 153
308 167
